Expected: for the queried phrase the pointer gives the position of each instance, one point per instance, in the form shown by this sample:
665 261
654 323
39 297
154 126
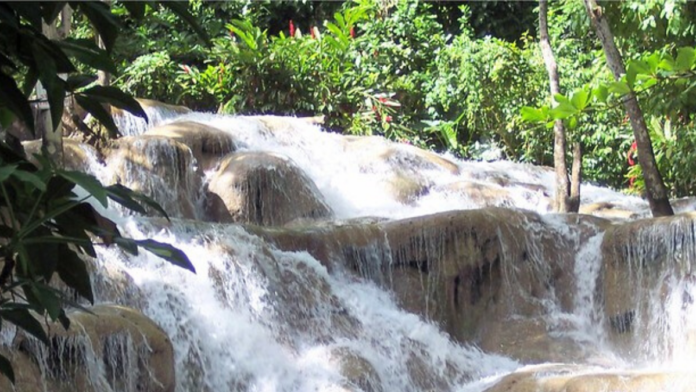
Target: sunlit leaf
89 183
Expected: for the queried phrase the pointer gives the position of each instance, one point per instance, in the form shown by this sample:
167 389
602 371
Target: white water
254 318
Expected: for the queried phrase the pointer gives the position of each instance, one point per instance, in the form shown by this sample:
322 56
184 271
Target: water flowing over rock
266 189
342 263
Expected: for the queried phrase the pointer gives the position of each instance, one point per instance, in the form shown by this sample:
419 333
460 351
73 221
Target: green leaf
167 252
30 178
619 88
12 98
531 114
115 97
73 271
685 59
88 53
580 99
560 98
602 93
6 368
47 297
89 183
563 111
24 320
97 111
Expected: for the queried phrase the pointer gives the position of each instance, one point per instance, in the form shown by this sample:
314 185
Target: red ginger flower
352 32
292 29
631 151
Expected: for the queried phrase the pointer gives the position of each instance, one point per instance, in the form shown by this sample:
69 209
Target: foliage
47 226
667 83
46 222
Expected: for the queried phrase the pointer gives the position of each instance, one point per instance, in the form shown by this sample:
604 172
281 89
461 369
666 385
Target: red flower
292 29
311 32
383 100
631 152
352 32
388 119
185 68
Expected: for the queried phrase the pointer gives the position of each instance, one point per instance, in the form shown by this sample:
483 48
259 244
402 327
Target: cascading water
322 306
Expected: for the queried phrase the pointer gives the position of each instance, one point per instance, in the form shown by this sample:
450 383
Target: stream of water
256 318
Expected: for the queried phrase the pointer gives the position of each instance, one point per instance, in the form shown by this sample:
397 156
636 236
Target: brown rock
359 373
135 353
161 168
266 189
76 156
208 144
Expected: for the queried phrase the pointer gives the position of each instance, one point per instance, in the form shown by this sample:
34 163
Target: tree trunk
52 139
561 200
654 186
575 179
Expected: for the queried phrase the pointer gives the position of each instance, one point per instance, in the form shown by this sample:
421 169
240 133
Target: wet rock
359 373
648 267
27 373
76 156
399 156
161 168
574 378
608 210
208 144
266 189
114 348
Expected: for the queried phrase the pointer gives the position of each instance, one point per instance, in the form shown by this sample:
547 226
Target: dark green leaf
59 188
51 9
99 14
24 320
116 97
97 111
55 87
30 178
48 298
6 171
127 244
30 80
73 271
135 8
132 200
89 183
167 252
179 7
75 82
30 12
6 368
63 319
12 98
88 53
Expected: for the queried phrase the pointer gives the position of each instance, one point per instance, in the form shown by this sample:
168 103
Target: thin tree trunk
561 200
52 139
575 179
654 186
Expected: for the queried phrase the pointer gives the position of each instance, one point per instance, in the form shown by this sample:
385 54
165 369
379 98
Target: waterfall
424 273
